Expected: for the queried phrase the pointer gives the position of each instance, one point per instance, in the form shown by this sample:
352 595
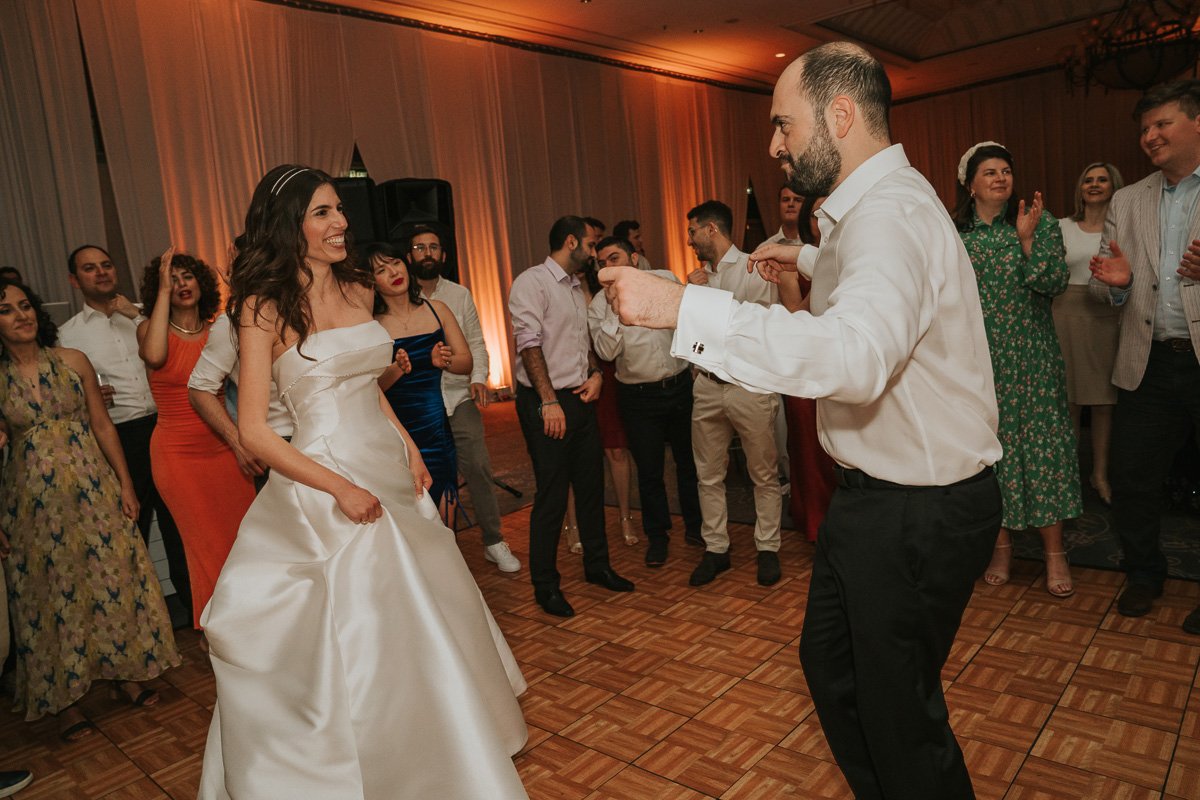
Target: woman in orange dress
194 470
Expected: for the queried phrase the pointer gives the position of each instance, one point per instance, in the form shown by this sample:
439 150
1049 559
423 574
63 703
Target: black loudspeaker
362 207
412 201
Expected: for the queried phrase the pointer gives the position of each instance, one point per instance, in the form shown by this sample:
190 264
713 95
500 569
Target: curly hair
210 294
269 265
47 331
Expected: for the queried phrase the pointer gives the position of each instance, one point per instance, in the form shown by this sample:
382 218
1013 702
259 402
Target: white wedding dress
354 661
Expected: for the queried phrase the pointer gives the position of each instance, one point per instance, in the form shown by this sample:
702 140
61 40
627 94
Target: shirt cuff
1118 295
703 320
806 260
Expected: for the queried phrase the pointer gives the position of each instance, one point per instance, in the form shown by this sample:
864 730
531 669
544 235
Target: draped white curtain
49 181
196 99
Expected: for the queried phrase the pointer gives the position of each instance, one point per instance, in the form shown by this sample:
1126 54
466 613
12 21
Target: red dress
811 467
195 472
608 415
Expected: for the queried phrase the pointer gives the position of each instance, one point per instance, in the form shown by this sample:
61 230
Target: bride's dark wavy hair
269 265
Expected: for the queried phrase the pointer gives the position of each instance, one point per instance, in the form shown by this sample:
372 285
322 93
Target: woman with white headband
1017 252
353 653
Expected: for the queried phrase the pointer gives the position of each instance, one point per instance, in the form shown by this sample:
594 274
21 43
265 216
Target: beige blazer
1133 223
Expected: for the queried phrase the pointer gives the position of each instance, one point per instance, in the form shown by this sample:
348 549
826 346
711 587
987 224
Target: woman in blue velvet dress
426 340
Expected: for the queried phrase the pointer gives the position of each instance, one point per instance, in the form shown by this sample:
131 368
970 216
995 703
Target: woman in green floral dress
84 600
1020 264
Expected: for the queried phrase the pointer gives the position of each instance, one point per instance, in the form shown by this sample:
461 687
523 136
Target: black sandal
144 698
77 731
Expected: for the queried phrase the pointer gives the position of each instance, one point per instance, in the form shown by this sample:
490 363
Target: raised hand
639 298
1113 270
164 271
1027 219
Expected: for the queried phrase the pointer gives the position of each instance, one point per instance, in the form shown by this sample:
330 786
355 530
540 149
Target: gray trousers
473 463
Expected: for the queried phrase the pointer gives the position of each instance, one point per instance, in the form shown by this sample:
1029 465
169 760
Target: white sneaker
502 557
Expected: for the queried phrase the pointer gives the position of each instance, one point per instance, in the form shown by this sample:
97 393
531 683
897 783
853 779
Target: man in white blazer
1149 264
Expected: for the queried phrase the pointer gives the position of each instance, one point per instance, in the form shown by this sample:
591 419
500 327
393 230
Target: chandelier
1146 42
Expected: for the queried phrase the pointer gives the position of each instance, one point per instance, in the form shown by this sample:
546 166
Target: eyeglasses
431 249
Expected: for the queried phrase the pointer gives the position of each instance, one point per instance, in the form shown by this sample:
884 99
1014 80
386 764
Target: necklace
185 331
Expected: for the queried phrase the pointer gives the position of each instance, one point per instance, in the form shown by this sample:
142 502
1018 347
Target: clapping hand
1113 270
1027 220
402 361
1189 267
441 355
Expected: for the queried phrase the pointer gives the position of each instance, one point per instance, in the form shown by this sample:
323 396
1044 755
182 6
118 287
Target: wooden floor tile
674 692
623 728
758 710
704 757
561 768
1005 720
1184 777
1129 753
786 773
633 783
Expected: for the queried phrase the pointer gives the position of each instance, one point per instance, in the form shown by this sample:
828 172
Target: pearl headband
962 162
283 179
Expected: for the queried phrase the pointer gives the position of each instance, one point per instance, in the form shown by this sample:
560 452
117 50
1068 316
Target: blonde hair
1114 176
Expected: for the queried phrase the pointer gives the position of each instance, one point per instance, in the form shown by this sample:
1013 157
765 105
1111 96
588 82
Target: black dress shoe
1192 623
553 602
1138 599
609 580
768 568
656 552
710 564
694 538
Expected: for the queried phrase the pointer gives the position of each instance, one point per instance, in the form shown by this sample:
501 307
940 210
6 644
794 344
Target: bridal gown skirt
355 661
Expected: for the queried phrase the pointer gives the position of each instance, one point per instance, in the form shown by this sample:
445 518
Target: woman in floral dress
84 600
1019 262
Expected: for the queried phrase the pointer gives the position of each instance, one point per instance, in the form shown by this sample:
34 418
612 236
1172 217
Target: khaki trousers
718 411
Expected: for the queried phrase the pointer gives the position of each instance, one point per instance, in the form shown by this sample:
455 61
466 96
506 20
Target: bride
353 653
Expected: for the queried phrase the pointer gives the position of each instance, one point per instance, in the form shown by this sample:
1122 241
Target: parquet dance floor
675 693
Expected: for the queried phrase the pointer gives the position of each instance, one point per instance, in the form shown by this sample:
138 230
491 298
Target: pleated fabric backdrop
198 98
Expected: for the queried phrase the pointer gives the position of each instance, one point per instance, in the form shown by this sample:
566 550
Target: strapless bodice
328 384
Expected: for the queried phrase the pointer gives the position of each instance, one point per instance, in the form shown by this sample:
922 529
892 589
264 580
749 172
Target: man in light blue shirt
1149 265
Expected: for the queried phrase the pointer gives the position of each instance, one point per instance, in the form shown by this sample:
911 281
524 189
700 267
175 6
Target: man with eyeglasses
425 258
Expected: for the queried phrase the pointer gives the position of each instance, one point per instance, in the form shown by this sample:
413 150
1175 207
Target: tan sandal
994 576
1060 588
627 529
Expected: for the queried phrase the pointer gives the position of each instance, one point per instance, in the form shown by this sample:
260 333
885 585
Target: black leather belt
711 377
666 383
857 479
1176 345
